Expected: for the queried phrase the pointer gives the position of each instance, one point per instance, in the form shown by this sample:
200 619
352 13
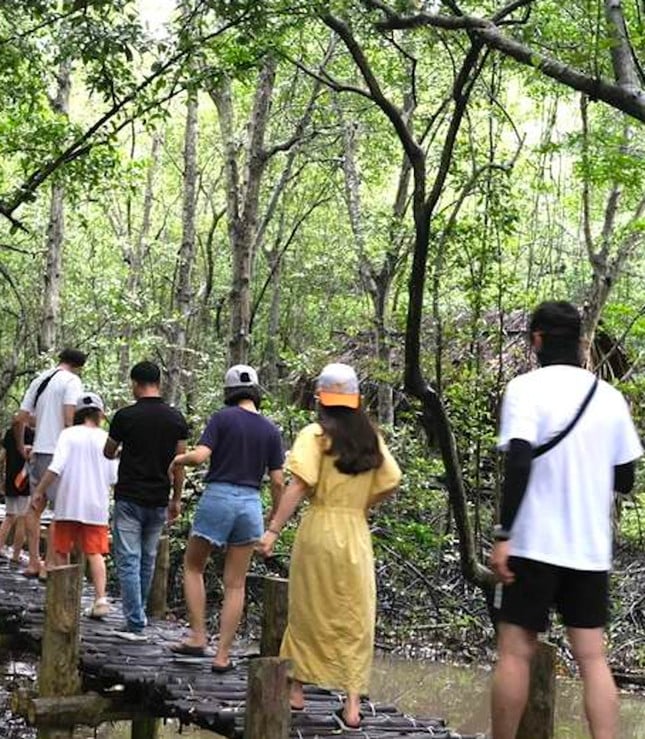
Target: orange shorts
91 538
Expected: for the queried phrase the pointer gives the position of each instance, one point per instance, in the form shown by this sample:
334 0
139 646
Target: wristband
273 531
500 533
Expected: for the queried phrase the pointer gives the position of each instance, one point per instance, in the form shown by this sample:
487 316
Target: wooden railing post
147 727
59 673
268 714
538 721
275 608
158 598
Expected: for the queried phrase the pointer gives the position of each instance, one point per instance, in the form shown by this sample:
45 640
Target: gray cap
89 400
241 375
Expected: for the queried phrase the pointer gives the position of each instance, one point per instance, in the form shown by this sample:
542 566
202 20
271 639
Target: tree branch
627 98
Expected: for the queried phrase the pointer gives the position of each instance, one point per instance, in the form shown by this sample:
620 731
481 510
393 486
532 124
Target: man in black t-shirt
149 433
16 495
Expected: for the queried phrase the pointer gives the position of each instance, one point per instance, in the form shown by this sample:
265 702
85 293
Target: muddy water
461 695
458 694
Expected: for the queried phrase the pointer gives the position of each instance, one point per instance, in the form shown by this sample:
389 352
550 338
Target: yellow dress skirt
332 591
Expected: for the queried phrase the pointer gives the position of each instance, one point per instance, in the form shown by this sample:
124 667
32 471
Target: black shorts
580 597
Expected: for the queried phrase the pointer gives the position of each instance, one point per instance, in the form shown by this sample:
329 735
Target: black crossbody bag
43 386
547 446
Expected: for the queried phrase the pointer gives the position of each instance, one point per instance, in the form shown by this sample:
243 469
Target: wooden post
59 673
147 727
538 721
158 598
268 715
275 610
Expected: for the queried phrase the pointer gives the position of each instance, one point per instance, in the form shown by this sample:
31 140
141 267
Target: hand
27 449
37 500
499 562
174 510
266 544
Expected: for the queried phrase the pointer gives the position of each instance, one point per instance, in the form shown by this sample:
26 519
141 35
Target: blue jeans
136 534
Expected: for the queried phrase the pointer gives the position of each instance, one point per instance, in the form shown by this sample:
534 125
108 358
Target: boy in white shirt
81 509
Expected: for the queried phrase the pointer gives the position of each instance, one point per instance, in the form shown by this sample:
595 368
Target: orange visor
349 400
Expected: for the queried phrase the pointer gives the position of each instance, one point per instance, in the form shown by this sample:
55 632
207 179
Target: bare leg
60 559
515 649
5 528
236 566
600 695
352 709
97 573
297 695
19 537
195 559
32 520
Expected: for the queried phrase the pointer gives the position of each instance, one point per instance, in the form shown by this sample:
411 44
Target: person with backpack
570 443
51 401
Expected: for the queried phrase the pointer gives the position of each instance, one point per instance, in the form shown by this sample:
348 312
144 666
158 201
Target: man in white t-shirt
51 400
553 545
81 509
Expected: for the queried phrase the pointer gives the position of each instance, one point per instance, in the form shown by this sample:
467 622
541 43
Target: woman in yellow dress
342 464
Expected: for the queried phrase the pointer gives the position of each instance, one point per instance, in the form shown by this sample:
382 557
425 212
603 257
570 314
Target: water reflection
461 694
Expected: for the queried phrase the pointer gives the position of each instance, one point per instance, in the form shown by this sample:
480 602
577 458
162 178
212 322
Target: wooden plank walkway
170 685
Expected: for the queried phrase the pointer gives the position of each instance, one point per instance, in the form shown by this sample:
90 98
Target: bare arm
18 426
178 472
111 449
277 490
41 489
68 415
194 457
380 497
296 490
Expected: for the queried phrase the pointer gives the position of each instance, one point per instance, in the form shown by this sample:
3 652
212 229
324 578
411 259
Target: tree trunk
243 200
133 256
377 289
55 230
183 295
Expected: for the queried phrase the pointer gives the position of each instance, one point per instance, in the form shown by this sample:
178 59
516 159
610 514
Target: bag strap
43 386
546 447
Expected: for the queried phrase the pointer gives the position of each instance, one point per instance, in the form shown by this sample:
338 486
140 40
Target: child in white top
81 508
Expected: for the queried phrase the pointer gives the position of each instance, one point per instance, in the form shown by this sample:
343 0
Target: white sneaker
131 636
6 553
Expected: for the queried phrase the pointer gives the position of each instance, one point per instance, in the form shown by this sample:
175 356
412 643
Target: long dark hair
353 439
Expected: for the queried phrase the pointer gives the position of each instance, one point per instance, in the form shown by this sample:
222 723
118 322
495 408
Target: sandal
339 717
99 609
221 669
190 650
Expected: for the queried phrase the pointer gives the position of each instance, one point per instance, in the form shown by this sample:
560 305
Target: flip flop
190 650
30 575
339 717
221 669
297 709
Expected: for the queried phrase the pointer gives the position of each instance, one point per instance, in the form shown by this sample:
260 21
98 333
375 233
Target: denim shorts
229 514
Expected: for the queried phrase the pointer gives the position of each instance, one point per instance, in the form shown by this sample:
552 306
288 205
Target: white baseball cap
89 400
337 384
241 375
